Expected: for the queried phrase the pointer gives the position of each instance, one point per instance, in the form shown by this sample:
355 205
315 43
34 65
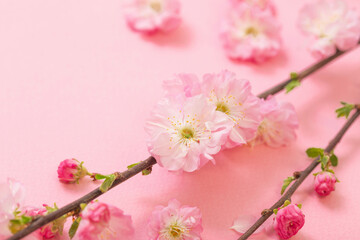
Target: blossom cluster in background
197 118
150 16
251 31
332 25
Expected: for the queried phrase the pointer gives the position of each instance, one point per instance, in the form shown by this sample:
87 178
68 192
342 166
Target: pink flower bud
325 183
71 171
288 221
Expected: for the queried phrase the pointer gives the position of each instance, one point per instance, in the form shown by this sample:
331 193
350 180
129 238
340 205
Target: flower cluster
251 31
150 16
198 118
332 26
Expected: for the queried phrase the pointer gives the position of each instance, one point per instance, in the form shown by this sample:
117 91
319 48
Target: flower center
156 6
222 107
175 231
251 31
187 132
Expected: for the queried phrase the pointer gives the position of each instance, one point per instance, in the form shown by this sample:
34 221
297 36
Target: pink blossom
234 102
149 16
182 86
71 171
261 5
250 34
11 195
325 183
288 221
278 125
175 222
185 135
103 221
332 25
49 231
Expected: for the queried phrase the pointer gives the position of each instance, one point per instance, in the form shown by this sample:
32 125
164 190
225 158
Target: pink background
76 82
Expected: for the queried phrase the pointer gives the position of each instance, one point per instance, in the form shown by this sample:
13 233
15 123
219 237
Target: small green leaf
299 206
147 171
100 176
286 203
275 211
107 183
334 160
286 183
83 206
345 110
132 165
74 227
314 152
324 161
291 85
25 219
294 75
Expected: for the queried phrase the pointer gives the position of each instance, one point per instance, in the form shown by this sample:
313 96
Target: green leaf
291 85
286 203
107 183
334 160
314 152
286 183
100 176
299 206
294 75
275 211
147 171
345 110
324 161
25 219
132 165
74 227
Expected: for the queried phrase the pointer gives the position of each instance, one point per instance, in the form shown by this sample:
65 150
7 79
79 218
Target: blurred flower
278 125
332 25
250 34
11 195
175 222
325 183
53 230
261 5
103 221
149 16
288 221
71 171
185 135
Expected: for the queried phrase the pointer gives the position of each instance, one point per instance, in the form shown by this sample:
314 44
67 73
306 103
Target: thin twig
303 74
303 175
75 205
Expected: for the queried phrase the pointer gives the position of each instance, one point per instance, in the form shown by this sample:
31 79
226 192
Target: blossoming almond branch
217 112
289 219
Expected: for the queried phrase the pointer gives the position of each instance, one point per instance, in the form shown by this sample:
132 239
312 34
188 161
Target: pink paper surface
76 82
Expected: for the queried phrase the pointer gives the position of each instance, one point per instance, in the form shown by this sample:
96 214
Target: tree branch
303 74
303 174
75 205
